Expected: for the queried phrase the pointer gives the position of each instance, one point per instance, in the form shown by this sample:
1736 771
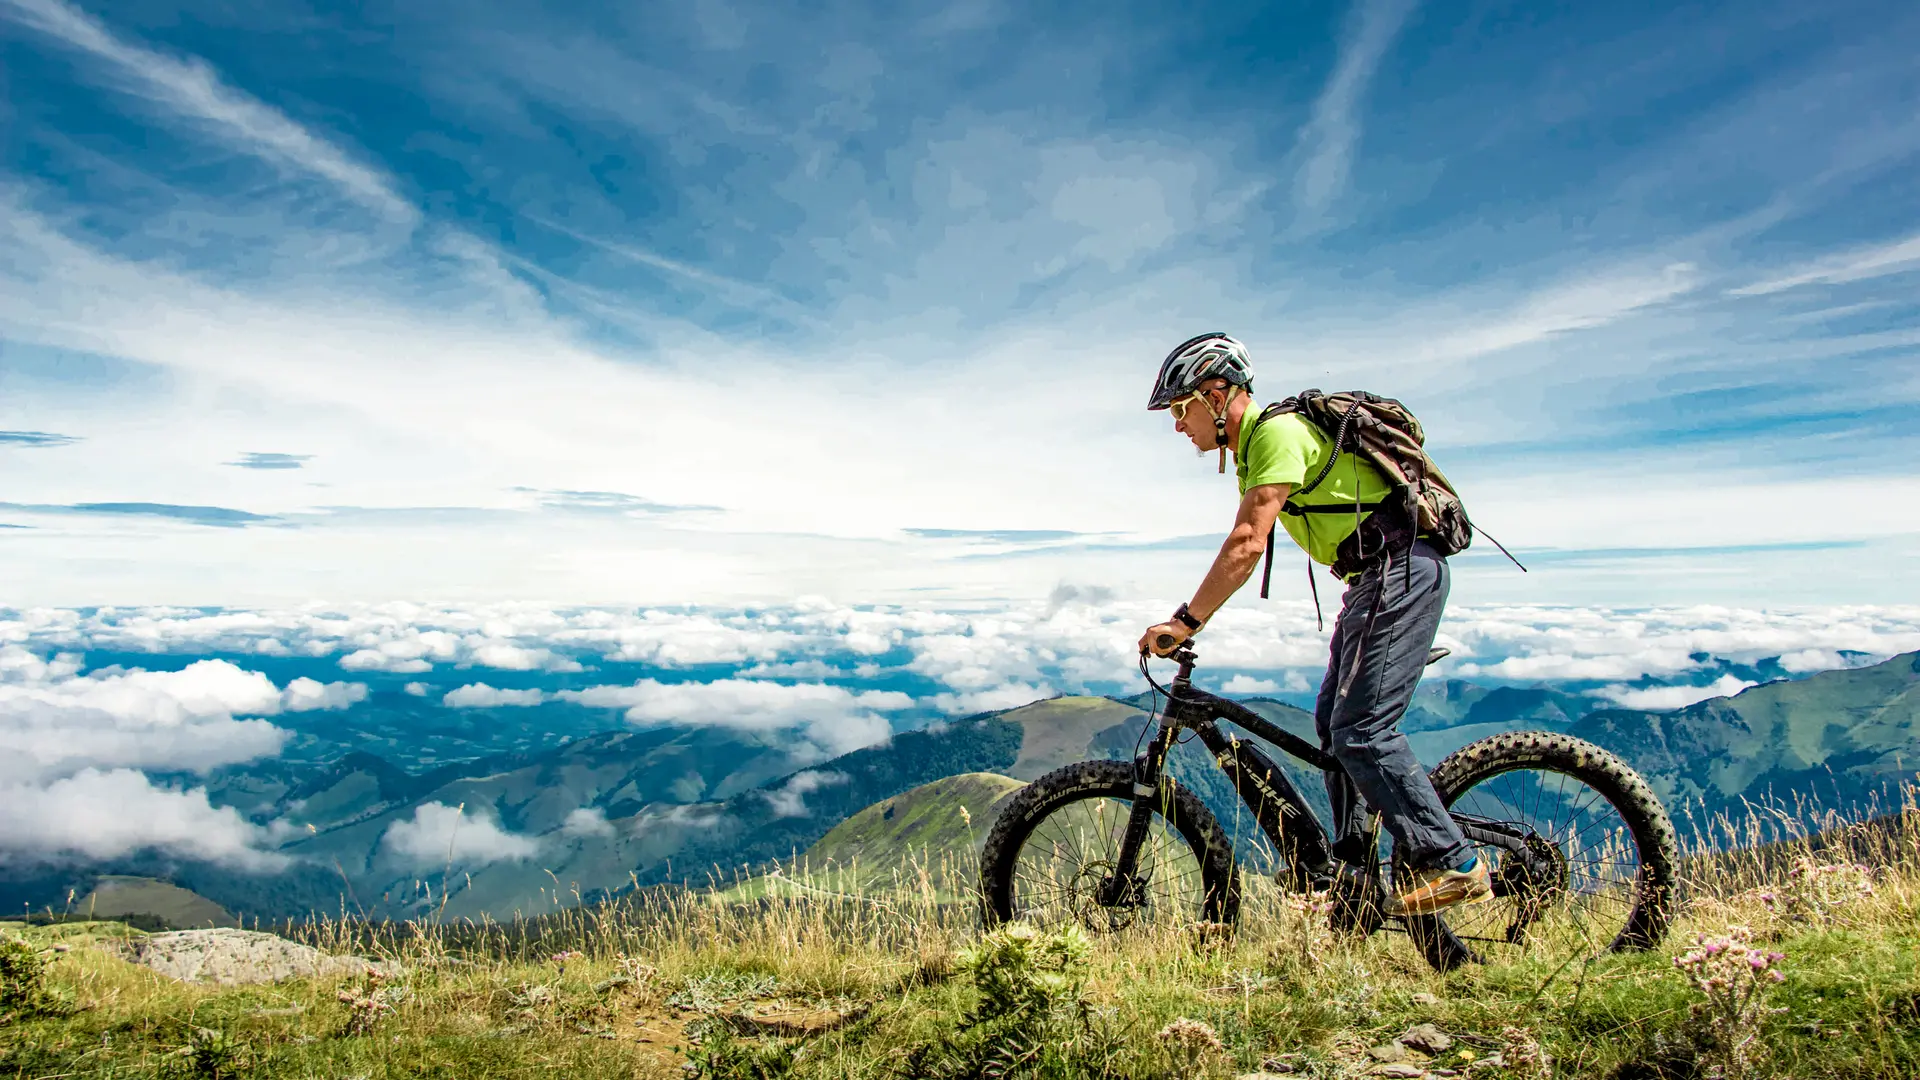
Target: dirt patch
657 1033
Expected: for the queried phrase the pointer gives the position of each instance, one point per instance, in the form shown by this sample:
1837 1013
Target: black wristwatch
1185 618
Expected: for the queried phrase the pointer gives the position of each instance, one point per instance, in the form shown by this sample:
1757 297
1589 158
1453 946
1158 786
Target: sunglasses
1179 408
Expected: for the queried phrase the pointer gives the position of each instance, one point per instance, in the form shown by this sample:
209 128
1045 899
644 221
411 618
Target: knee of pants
1374 753
1349 747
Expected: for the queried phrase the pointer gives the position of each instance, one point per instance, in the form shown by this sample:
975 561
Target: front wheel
1056 847
1580 850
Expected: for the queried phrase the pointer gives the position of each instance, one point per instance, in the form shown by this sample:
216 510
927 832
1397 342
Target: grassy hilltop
836 979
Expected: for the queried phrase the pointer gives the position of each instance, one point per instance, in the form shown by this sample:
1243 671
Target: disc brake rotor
1534 882
1083 896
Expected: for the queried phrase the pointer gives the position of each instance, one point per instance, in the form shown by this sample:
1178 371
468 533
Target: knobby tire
1646 922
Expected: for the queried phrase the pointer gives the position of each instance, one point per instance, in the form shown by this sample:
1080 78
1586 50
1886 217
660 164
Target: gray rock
1392 1051
229 957
1397 1068
1424 998
1427 1039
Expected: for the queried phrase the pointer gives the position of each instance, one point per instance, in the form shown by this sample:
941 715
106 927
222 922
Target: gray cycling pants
1361 728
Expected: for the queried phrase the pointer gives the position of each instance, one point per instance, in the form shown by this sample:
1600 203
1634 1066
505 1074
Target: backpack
1387 436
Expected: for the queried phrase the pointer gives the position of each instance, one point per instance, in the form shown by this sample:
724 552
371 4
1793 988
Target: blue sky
710 303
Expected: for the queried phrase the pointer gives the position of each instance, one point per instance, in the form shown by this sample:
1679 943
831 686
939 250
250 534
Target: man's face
1196 423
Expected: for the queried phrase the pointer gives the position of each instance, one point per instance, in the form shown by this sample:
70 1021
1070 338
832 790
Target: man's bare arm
1241 551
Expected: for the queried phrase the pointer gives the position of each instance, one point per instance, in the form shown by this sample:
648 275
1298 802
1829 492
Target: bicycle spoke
1589 857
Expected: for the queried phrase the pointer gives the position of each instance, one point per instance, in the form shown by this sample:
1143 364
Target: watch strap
1185 618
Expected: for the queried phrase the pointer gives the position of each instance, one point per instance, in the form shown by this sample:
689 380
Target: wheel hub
1534 879
1095 880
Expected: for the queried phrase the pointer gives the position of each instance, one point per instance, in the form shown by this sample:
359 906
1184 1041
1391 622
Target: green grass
824 983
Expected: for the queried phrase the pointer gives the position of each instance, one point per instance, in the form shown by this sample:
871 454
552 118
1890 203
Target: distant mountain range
612 810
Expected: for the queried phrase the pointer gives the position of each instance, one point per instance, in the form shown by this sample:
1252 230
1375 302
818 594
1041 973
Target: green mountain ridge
1844 736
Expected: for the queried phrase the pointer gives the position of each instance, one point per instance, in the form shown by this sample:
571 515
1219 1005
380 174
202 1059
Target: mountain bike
1578 846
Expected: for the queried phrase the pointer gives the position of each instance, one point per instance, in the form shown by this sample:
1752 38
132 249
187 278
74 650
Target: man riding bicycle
1386 625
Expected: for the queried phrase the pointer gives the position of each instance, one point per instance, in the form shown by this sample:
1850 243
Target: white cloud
1663 698
106 814
586 821
304 694
1243 684
72 748
404 650
788 800
685 640
438 834
53 721
482 696
506 656
375 660
1807 661
418 689
1005 696
1617 645
834 719
980 657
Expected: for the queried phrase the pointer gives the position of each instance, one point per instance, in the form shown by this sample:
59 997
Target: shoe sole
1399 910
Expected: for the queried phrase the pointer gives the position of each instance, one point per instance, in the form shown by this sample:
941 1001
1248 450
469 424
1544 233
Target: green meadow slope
925 823
120 896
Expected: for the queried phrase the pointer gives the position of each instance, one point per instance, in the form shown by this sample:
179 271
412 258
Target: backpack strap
1297 404
1291 404
1334 508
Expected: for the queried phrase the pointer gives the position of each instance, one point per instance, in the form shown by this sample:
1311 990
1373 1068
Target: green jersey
1289 450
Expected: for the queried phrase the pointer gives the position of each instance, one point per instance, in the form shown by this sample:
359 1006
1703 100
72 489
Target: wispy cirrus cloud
253 459
865 229
612 502
191 88
1861 264
218 516
1328 142
35 438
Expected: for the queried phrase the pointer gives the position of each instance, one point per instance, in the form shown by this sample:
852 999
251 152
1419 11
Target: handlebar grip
1163 642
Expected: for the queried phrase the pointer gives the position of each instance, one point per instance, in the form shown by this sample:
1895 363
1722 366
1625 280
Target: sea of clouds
95 704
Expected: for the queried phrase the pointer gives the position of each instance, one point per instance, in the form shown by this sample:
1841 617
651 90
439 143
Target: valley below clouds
400 741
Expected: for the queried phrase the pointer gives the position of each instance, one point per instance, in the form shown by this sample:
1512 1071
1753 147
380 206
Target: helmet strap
1219 428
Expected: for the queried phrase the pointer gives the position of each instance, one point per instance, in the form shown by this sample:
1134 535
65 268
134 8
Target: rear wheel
1580 851
1057 845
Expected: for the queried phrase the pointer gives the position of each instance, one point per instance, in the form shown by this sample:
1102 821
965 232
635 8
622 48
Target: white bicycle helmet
1209 356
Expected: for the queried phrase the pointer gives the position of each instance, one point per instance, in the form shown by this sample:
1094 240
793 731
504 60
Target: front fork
1120 886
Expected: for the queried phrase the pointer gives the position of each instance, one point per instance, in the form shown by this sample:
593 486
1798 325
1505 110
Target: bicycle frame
1286 820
